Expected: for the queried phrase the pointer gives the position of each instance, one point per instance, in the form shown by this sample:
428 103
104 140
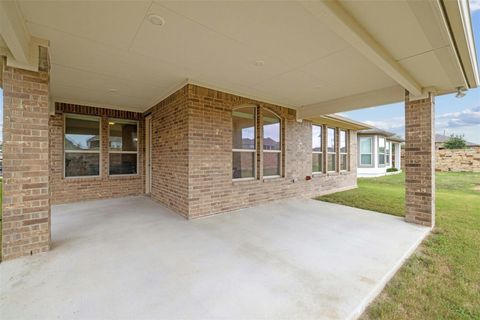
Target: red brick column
420 160
26 204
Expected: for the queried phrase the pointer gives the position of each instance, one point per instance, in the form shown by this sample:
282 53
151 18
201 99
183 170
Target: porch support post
26 203
420 160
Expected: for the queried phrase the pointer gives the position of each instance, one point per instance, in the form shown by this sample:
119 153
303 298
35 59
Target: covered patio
182 67
133 258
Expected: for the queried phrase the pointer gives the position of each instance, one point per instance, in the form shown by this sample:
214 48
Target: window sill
272 178
243 181
81 179
332 173
123 176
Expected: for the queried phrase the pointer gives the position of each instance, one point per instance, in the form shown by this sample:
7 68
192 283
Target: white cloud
395 125
465 118
466 122
474 5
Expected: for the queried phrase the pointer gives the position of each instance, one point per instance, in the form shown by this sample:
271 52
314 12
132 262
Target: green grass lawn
442 278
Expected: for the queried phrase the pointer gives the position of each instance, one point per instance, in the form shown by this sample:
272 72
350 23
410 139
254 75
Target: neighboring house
378 150
440 139
214 106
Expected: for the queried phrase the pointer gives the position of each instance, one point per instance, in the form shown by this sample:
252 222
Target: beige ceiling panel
428 70
393 24
299 87
282 29
112 23
83 54
2 43
188 44
110 86
94 97
348 71
230 86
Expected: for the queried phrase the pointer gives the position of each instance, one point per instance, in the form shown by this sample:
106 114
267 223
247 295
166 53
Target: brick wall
458 160
64 190
420 160
210 186
26 205
170 151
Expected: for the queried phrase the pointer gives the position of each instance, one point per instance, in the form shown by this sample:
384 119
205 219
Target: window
243 143
82 146
331 150
272 148
381 151
366 151
343 150
387 153
123 147
317 151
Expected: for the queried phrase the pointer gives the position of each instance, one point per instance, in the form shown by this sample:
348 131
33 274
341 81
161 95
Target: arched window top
271 130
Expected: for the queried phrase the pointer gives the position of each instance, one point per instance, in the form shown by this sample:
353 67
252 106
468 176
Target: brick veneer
192 156
170 151
420 160
64 190
210 186
26 204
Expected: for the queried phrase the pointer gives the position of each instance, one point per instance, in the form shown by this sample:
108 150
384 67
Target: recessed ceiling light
259 63
156 19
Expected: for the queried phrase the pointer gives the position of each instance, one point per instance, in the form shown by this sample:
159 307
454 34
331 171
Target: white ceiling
104 45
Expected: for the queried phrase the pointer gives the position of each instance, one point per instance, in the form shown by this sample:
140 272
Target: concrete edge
358 311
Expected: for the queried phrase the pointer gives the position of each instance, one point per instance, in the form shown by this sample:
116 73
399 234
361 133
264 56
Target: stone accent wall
26 201
210 186
170 151
420 160
459 160
64 190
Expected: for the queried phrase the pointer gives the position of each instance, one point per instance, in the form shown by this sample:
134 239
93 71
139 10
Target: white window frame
347 149
335 147
379 153
273 151
321 148
372 159
254 143
123 121
388 146
99 151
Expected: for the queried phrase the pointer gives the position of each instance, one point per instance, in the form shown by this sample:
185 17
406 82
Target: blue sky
453 115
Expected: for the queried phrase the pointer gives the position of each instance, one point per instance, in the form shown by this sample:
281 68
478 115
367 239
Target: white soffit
99 46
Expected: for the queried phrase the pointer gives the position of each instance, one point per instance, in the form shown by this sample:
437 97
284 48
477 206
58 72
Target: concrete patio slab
132 258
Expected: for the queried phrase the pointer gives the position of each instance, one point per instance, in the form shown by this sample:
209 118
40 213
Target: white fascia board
459 18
